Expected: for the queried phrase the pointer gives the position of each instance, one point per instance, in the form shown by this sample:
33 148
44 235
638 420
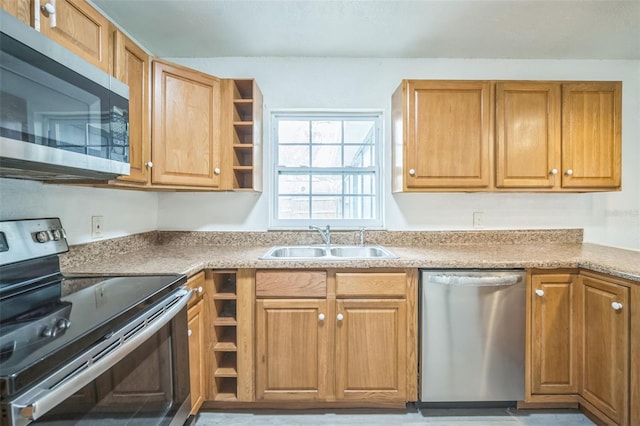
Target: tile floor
439 417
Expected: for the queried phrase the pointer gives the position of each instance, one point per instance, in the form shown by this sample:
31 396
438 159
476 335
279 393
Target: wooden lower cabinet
583 344
354 346
292 349
195 318
371 349
604 320
553 339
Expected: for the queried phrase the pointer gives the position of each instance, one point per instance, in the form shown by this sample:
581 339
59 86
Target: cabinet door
527 135
553 334
605 347
291 349
131 66
80 28
185 127
196 355
21 9
371 349
591 135
447 134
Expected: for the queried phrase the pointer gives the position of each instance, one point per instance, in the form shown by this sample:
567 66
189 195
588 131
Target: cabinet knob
321 317
189 333
340 317
412 172
540 293
568 172
149 164
616 306
48 8
553 172
200 290
216 171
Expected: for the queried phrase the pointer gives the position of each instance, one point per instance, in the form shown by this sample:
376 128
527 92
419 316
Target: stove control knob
63 324
48 332
56 234
42 236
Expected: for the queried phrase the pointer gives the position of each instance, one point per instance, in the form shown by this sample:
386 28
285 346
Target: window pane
293 155
326 156
326 207
358 156
290 131
326 132
363 184
326 184
291 207
293 184
359 131
359 208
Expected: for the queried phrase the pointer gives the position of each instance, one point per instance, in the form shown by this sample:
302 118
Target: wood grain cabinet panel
131 66
446 134
21 9
604 318
197 376
185 127
292 349
527 135
591 135
80 28
370 349
553 347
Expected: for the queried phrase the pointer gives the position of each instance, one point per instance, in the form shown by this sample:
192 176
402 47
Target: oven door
144 380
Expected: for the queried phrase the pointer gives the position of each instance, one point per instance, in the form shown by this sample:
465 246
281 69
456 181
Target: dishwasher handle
475 280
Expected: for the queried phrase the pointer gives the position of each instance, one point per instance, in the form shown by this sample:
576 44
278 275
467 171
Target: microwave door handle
46 395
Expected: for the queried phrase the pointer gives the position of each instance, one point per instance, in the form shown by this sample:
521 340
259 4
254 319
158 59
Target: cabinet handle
412 172
321 317
49 8
616 306
540 293
200 290
340 317
568 172
189 333
149 164
553 172
216 171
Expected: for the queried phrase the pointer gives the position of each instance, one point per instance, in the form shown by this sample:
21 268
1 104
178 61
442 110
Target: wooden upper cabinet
527 135
185 127
21 9
446 134
591 135
80 28
131 65
605 314
553 345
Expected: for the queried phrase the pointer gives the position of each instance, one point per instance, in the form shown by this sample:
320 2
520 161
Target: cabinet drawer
296 284
196 283
392 284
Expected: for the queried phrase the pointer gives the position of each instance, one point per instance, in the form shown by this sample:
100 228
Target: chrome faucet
324 233
362 236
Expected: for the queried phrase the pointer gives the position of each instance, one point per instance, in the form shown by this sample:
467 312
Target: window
327 169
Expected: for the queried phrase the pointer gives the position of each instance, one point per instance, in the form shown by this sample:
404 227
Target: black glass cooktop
35 344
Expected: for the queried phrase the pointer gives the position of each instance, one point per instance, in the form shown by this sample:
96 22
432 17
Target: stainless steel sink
333 252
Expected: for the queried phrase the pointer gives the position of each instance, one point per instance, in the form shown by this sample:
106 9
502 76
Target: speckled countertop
190 252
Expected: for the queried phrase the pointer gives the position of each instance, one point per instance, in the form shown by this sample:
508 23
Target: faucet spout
324 233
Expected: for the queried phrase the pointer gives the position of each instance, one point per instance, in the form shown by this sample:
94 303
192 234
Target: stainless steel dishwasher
473 335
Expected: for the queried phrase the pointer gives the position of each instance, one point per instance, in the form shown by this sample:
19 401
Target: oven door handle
87 367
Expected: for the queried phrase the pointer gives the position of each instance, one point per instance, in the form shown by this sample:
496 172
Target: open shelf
227 389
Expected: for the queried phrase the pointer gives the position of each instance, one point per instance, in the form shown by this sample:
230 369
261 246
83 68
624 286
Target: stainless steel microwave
61 118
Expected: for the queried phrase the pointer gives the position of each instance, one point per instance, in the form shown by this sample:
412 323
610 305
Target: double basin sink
331 252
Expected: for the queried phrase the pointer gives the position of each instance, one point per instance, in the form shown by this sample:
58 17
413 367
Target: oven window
144 388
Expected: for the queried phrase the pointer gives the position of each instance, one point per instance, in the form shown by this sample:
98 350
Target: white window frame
375 170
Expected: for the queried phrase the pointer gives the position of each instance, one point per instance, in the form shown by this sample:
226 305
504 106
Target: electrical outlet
97 225
478 219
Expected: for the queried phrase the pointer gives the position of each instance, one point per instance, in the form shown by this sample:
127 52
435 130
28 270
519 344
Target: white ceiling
382 28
